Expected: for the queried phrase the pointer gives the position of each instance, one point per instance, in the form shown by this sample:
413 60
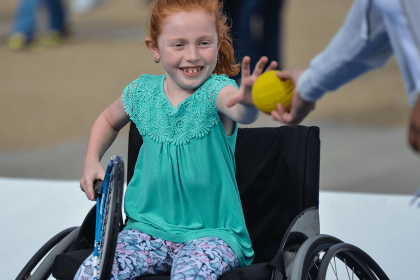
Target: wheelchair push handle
97 184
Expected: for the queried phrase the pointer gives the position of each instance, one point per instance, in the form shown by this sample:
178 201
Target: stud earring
157 60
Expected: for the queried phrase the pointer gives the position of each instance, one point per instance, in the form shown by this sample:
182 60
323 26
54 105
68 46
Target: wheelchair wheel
360 263
344 264
112 220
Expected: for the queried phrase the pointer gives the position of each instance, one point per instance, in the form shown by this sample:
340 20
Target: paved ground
354 158
374 223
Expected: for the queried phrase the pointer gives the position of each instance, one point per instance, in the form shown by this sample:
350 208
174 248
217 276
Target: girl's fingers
272 66
245 67
89 190
260 66
234 100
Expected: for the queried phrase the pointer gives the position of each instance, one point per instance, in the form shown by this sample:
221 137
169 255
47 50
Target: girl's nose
192 54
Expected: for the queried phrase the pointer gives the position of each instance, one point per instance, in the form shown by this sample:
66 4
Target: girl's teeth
192 71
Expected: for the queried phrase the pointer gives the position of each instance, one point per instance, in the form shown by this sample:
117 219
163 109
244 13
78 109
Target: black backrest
277 171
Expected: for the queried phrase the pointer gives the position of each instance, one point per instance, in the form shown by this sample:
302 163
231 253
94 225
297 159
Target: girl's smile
192 71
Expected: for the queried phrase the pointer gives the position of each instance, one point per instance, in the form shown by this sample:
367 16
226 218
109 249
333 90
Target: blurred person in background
373 31
80 7
256 29
24 25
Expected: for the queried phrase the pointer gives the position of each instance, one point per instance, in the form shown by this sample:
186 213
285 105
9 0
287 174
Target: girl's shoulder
215 78
144 83
214 84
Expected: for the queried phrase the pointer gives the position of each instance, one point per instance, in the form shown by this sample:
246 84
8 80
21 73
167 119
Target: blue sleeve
361 44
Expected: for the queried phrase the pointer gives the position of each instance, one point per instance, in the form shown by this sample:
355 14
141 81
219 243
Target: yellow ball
269 90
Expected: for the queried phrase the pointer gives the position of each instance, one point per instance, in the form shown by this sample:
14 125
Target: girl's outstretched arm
237 104
102 135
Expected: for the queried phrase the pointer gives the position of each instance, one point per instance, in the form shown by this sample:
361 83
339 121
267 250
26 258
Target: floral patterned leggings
139 254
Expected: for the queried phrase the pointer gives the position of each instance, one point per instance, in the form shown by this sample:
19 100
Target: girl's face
187 48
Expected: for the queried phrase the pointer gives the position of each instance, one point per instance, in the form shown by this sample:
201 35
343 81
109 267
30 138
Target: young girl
184 209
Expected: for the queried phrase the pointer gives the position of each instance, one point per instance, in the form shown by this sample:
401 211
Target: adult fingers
285 74
414 130
414 137
282 115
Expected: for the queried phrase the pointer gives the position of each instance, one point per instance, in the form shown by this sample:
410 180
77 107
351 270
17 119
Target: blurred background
51 97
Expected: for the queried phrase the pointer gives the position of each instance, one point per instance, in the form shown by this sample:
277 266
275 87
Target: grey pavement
354 158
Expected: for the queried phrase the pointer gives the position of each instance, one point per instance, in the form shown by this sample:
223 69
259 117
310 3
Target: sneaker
16 41
56 37
19 41
35 46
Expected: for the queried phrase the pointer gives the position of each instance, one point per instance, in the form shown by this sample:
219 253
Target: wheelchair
278 179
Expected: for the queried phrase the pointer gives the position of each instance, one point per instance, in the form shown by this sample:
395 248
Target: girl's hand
244 95
92 171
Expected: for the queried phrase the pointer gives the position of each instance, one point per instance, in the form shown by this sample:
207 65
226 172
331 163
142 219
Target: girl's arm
102 135
237 104
240 113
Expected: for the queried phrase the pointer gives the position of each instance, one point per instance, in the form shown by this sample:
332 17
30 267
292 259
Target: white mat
385 226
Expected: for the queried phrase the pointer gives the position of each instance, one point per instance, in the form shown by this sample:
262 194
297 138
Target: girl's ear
152 47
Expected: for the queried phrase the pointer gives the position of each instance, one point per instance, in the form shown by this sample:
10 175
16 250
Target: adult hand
91 171
300 108
414 131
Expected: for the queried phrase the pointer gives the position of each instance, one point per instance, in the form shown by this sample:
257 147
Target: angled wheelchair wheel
307 260
357 262
112 220
316 260
44 257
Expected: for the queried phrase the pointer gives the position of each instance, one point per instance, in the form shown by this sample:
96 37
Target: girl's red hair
162 9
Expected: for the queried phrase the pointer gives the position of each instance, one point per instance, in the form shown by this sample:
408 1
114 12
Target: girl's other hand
91 171
244 95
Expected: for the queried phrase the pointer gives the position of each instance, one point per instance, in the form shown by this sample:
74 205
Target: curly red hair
162 9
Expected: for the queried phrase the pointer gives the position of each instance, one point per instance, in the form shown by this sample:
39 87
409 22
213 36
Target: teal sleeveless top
184 186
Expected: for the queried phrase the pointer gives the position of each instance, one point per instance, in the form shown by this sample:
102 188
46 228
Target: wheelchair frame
295 259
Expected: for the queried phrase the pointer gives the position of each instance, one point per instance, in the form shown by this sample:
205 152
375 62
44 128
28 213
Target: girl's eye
178 45
204 43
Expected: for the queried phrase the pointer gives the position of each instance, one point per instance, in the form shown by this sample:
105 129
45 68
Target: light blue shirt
372 32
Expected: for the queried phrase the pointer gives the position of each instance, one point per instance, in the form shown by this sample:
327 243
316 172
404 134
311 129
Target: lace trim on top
148 107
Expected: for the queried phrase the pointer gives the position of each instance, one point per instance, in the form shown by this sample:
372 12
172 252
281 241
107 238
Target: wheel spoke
347 269
335 272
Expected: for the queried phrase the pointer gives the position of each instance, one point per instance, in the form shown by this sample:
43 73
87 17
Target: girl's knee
208 257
